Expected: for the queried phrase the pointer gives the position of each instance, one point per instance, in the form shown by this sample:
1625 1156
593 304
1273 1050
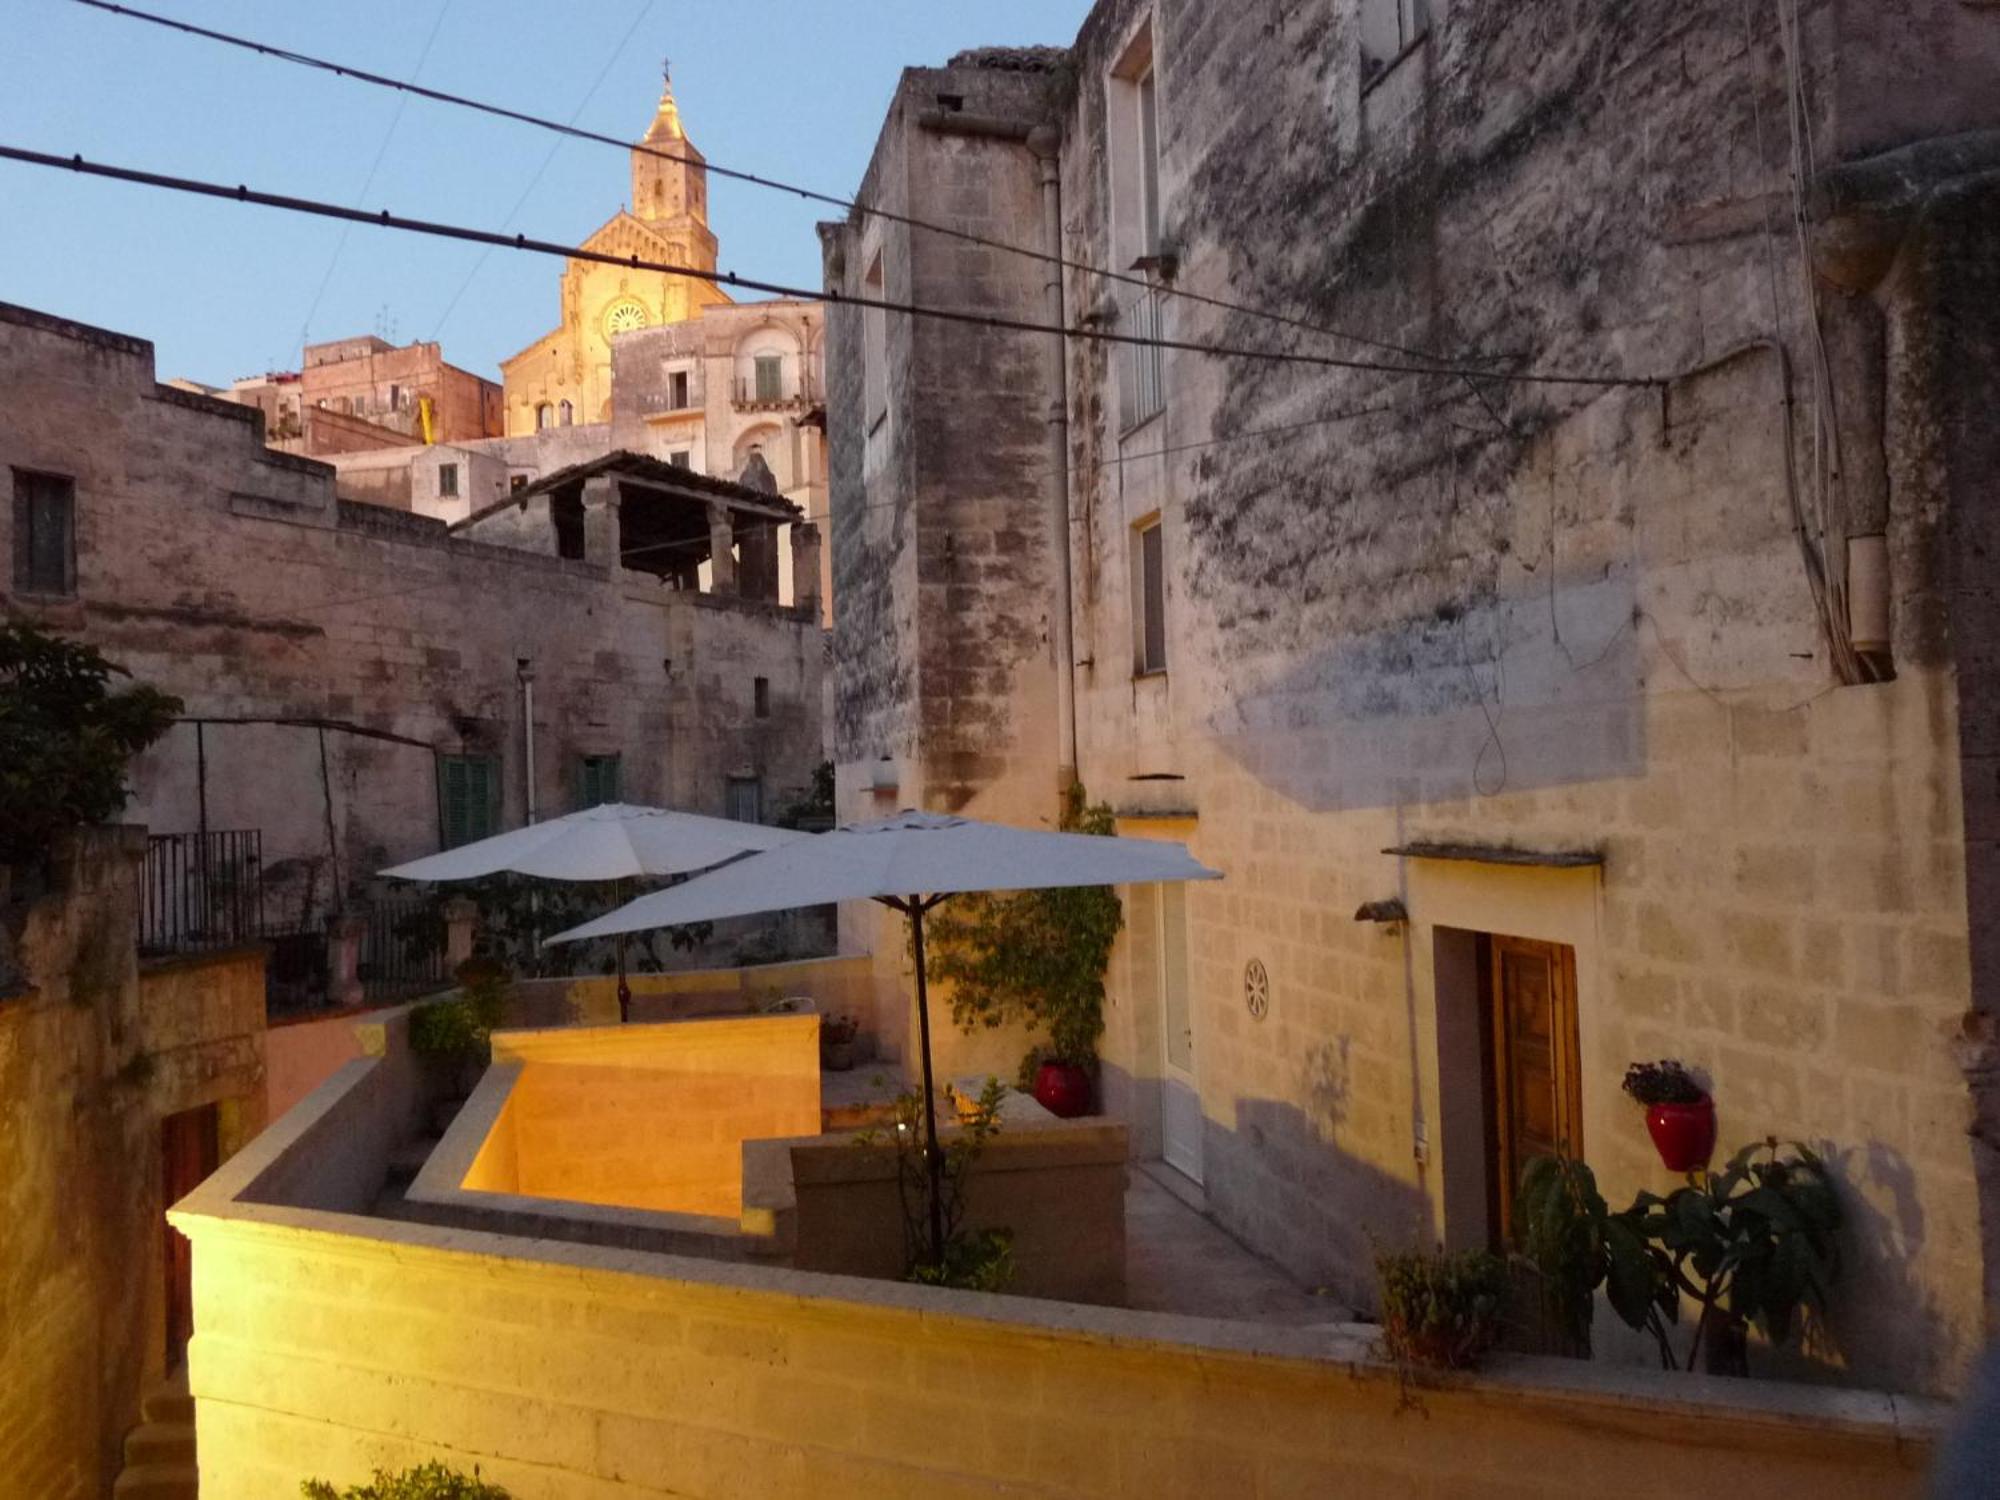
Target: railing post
344 935
461 922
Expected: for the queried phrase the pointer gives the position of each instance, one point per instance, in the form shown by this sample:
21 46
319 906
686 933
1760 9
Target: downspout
524 669
1046 142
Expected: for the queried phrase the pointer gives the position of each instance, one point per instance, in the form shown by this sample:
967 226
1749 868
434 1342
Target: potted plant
836 1042
1440 1310
1062 1085
1680 1116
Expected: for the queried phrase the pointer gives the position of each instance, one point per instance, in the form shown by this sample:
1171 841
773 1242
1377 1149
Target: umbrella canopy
613 842
909 862
912 854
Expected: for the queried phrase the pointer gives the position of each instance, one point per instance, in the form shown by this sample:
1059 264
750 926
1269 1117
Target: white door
1180 1097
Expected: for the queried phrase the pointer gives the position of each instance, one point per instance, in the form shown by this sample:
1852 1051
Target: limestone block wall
93 1055
650 1116
233 577
328 1344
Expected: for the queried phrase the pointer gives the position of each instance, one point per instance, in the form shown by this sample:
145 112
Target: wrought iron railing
1142 385
201 891
402 949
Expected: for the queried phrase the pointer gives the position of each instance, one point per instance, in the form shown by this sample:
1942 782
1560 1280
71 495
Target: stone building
345 666
410 390
1585 661
124 1084
565 376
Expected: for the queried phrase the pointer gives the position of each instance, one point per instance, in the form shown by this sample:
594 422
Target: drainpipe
1046 142
524 670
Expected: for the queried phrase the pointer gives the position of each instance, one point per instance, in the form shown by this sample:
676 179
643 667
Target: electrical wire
387 220
542 171
381 153
753 179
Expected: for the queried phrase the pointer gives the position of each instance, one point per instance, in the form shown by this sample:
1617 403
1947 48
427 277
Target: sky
794 89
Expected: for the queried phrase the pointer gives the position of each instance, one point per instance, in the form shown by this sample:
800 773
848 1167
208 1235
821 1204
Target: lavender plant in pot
1680 1115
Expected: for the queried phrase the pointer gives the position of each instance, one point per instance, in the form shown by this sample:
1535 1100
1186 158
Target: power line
387 220
381 152
542 171
832 200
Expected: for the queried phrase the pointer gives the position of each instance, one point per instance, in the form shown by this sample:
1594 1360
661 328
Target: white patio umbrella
616 841
910 863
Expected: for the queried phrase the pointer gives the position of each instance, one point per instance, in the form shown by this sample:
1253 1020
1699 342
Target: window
681 458
875 347
596 780
568 414
545 417
761 696
468 798
448 481
1389 28
395 398
678 396
745 801
516 482
1132 105
1149 599
770 377
44 533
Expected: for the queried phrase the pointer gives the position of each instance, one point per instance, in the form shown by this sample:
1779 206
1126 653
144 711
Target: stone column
343 958
461 922
721 554
600 520
805 566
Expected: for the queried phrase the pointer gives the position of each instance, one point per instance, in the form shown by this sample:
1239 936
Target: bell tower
669 179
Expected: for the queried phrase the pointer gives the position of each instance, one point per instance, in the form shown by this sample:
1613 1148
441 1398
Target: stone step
160 1443
168 1402
158 1482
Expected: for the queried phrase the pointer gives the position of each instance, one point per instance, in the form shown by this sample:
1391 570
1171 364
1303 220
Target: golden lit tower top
669 180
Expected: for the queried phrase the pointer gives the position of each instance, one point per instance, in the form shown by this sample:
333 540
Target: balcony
776 385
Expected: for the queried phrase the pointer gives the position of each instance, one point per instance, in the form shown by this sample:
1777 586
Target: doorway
1536 1082
190 1149
1180 1091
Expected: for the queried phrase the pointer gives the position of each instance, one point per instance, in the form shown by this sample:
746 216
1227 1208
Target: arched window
545 417
568 414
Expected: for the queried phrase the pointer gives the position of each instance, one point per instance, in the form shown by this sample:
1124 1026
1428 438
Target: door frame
1565 1061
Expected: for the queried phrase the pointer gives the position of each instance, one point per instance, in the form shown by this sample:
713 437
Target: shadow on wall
1455 703
1880 1304
1280 1180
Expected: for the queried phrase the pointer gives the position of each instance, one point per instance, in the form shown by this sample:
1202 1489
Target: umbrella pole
933 1155
624 989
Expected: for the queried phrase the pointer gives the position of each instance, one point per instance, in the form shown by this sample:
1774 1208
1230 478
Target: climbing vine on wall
1036 957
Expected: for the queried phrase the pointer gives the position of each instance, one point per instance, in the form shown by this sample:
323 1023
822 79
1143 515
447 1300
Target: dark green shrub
1575 1245
431 1481
1032 956
982 1261
65 738
1438 1309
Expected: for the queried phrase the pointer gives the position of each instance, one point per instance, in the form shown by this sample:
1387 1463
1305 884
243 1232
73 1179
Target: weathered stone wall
94 1053
1407 607
231 576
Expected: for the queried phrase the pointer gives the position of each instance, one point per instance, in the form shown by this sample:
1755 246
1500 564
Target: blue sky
791 88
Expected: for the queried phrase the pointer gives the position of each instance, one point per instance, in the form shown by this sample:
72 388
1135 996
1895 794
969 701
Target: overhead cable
387 220
753 179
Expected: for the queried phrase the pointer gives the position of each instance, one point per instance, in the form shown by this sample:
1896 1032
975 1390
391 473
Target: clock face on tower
623 316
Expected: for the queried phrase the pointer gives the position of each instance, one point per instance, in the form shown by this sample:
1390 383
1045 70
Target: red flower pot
1063 1089
1683 1134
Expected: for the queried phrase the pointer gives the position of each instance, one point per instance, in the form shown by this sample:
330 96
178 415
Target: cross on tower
666 70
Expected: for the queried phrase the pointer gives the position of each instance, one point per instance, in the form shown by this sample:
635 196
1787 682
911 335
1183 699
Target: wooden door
1180 1085
190 1149
1537 1086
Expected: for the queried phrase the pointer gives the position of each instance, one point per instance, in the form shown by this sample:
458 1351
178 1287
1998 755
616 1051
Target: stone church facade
564 378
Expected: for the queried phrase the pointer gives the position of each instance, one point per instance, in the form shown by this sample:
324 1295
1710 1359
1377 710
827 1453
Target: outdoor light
885 780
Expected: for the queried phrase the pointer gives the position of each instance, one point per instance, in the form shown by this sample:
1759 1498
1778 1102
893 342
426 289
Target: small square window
761 694
681 458
597 780
44 533
517 482
448 481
